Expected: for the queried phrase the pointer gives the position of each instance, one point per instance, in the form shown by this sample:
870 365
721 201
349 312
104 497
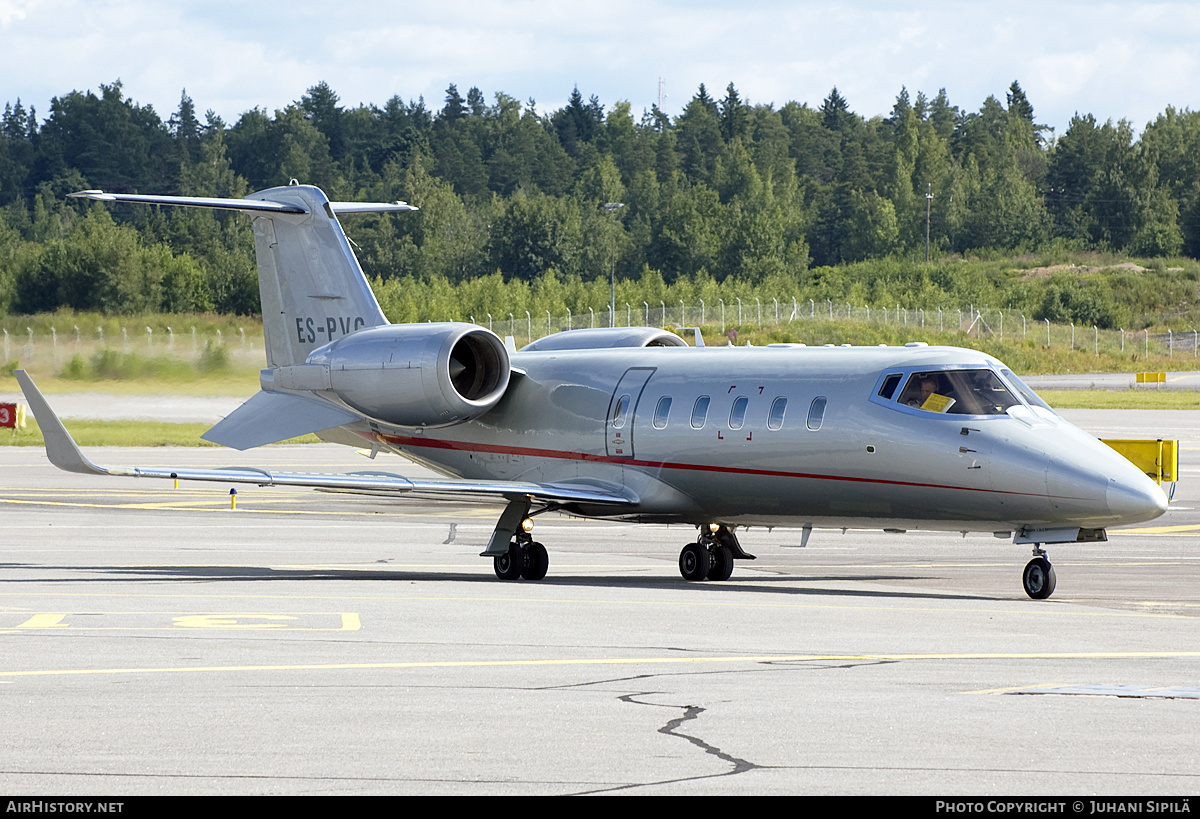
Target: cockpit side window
922 387
958 392
888 390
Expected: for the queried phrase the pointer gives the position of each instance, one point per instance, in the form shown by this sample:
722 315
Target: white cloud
1115 59
11 10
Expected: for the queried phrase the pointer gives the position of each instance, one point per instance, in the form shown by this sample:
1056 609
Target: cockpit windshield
1031 397
958 392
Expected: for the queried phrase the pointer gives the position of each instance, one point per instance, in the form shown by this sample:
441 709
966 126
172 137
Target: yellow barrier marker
1158 458
233 499
1151 378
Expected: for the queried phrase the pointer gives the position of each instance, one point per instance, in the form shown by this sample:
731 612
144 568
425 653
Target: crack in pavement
672 729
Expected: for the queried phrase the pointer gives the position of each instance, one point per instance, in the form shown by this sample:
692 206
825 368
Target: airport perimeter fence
987 323
53 351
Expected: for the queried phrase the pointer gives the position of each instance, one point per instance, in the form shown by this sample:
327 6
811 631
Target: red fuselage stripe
532 452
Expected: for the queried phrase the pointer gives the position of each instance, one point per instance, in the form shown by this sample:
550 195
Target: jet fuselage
787 436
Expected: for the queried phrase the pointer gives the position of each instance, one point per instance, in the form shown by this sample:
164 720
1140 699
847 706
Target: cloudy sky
1118 60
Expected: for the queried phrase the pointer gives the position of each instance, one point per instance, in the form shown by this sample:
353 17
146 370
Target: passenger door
621 408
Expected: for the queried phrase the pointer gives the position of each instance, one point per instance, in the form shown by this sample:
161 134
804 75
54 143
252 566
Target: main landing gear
1038 577
514 552
525 558
711 556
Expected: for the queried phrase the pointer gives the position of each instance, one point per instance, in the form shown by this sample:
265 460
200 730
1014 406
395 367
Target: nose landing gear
1038 577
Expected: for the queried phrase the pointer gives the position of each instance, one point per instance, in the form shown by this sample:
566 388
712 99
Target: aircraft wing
64 453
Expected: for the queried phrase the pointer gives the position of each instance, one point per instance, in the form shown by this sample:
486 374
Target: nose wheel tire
1038 578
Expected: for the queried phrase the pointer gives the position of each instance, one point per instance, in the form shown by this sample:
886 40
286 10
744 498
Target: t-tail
332 357
313 290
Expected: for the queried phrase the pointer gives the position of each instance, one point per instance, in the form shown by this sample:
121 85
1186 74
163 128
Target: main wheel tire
694 562
536 562
508 565
1038 578
722 563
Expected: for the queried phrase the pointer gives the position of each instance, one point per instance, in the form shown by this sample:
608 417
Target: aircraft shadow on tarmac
757 585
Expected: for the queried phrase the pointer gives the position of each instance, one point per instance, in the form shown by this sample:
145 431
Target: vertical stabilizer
313 290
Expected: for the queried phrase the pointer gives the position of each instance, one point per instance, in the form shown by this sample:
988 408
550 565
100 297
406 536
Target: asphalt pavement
156 641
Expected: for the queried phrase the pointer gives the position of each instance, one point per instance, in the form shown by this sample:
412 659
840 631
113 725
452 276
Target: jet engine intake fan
417 375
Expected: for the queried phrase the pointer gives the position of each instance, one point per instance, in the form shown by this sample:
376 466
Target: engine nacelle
416 375
603 338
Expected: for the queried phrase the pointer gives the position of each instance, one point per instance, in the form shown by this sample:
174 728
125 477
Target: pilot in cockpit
919 389
924 391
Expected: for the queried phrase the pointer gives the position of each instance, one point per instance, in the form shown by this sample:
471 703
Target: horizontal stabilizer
270 417
251 206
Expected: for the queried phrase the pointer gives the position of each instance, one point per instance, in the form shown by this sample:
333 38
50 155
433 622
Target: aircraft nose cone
1135 503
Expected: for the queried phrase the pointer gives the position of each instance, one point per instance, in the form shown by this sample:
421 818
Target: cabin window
661 412
888 390
700 412
778 408
816 413
619 412
737 415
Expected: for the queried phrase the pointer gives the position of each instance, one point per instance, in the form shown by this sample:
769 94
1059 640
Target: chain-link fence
56 349
986 322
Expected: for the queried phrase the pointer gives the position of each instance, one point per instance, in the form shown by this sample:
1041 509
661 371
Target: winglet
61 448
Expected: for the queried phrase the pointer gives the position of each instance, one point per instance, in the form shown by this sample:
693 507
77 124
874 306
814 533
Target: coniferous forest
816 202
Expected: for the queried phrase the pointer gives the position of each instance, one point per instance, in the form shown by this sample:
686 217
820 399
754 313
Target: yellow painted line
220 503
216 505
770 658
230 621
45 621
1161 530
